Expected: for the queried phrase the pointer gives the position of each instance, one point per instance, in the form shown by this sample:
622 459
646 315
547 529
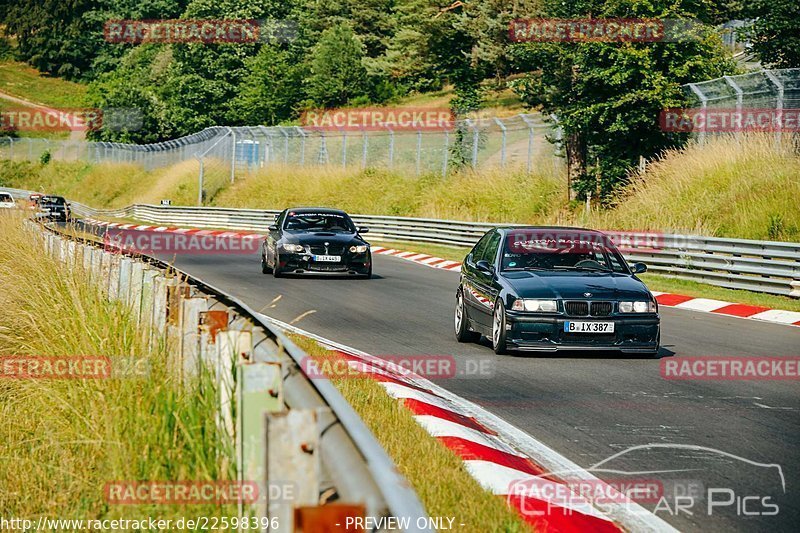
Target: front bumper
632 334
351 263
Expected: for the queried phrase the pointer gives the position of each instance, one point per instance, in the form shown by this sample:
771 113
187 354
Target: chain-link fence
774 94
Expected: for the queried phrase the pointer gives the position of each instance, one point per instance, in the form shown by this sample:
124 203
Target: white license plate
328 258
588 327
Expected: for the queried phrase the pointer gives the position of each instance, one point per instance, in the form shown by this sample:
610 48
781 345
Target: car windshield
557 250
53 200
323 222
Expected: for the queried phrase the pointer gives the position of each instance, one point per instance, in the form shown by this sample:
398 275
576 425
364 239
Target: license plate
588 327
328 258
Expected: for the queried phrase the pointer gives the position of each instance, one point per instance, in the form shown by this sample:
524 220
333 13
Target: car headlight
296 248
359 249
637 307
540 306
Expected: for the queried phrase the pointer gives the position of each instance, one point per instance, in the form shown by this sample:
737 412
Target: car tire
498 339
461 321
265 269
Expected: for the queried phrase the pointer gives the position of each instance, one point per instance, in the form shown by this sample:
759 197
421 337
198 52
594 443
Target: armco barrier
330 451
761 266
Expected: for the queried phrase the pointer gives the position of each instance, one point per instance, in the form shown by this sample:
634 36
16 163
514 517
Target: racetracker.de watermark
379 119
32 119
394 366
731 368
608 30
206 31
189 242
729 120
180 492
55 367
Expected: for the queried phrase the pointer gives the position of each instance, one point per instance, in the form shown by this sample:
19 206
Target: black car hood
574 284
321 237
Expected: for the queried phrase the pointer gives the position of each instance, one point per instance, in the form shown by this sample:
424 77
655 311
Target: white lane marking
702 304
777 315
631 516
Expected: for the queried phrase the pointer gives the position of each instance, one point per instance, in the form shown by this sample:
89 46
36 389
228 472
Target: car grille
321 267
582 308
577 308
318 249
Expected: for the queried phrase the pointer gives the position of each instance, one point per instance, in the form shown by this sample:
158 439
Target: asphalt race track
587 408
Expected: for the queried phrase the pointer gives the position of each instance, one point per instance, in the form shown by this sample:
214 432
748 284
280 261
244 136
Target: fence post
446 153
739 97
778 104
344 149
419 150
135 293
502 141
124 291
233 154
701 137
391 147
364 144
200 183
527 121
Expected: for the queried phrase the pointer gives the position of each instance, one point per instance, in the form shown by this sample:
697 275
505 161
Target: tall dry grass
748 188
62 440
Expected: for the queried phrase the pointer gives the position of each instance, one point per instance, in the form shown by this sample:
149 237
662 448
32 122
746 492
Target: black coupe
315 240
549 289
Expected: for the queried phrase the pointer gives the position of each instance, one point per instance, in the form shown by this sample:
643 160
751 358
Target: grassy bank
23 81
437 474
727 188
63 440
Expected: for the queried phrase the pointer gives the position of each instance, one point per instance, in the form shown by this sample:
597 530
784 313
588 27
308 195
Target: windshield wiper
525 268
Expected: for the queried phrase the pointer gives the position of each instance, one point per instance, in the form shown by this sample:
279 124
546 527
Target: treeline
356 52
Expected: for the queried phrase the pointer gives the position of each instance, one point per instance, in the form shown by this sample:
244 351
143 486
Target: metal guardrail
761 266
352 460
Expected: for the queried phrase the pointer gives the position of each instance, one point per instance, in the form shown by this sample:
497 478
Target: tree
271 90
337 74
774 34
608 96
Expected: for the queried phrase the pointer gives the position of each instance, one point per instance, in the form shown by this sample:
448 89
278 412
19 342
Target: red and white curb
679 301
501 457
172 229
421 259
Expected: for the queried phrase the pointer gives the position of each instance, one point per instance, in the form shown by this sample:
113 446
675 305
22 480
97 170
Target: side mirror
363 230
638 268
272 227
484 266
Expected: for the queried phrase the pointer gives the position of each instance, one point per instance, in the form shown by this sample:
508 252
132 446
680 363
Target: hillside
721 189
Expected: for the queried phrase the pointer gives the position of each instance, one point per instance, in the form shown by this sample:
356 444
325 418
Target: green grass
23 81
655 282
436 473
64 439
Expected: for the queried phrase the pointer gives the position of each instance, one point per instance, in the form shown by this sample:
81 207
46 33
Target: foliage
774 34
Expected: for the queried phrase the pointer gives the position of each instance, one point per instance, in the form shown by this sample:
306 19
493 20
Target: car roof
301 210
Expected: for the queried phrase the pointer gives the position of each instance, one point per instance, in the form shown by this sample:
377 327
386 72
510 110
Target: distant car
549 289
33 200
314 240
7 201
54 208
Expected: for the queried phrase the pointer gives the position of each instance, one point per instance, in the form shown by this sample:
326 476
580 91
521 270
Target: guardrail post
124 289
88 253
147 315
175 292
259 392
231 345
135 293
795 285
293 454
192 308
113 275
105 272
160 298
